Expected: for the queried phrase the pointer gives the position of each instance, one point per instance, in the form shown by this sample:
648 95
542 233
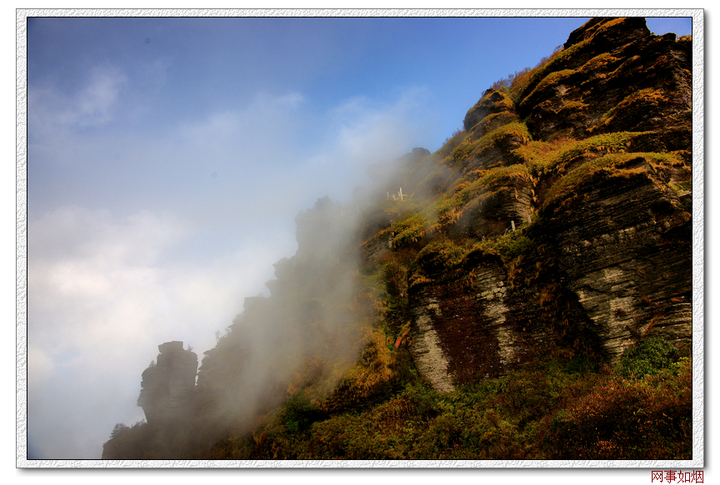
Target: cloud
101 298
165 250
154 73
361 132
262 127
291 100
95 103
93 280
91 105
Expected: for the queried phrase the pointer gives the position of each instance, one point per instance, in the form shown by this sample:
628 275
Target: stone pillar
167 387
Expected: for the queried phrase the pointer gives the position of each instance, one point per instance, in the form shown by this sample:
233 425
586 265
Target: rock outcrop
627 253
613 75
168 385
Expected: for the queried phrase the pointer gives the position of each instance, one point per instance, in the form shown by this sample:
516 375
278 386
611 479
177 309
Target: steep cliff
593 187
525 287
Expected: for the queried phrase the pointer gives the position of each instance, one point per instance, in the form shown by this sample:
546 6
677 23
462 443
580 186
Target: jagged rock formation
168 385
614 75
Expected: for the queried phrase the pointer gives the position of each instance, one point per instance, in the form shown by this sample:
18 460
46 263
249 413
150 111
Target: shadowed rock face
167 386
627 256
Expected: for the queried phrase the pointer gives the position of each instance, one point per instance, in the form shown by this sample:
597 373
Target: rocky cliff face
590 196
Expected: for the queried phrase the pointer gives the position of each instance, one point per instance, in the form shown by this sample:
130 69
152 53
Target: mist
295 343
305 335
119 285
166 167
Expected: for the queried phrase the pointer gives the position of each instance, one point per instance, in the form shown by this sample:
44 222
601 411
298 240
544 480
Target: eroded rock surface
627 256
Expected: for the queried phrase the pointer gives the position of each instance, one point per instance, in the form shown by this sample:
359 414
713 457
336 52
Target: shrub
648 357
129 443
299 413
514 244
502 175
408 231
648 419
505 138
451 143
515 129
520 80
570 151
546 66
551 79
537 154
640 99
556 409
613 164
394 274
440 255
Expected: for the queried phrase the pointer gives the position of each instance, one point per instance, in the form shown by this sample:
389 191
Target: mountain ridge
518 294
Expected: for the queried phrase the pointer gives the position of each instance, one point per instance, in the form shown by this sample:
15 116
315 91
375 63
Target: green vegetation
613 165
547 66
630 419
599 63
649 357
440 255
501 138
552 79
128 442
451 143
559 155
409 230
557 409
636 100
515 84
513 244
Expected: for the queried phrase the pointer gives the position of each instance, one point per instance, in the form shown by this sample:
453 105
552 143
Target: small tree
119 428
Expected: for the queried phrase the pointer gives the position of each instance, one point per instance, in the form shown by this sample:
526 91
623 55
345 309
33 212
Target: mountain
525 292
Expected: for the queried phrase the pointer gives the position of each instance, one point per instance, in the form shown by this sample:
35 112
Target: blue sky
167 159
